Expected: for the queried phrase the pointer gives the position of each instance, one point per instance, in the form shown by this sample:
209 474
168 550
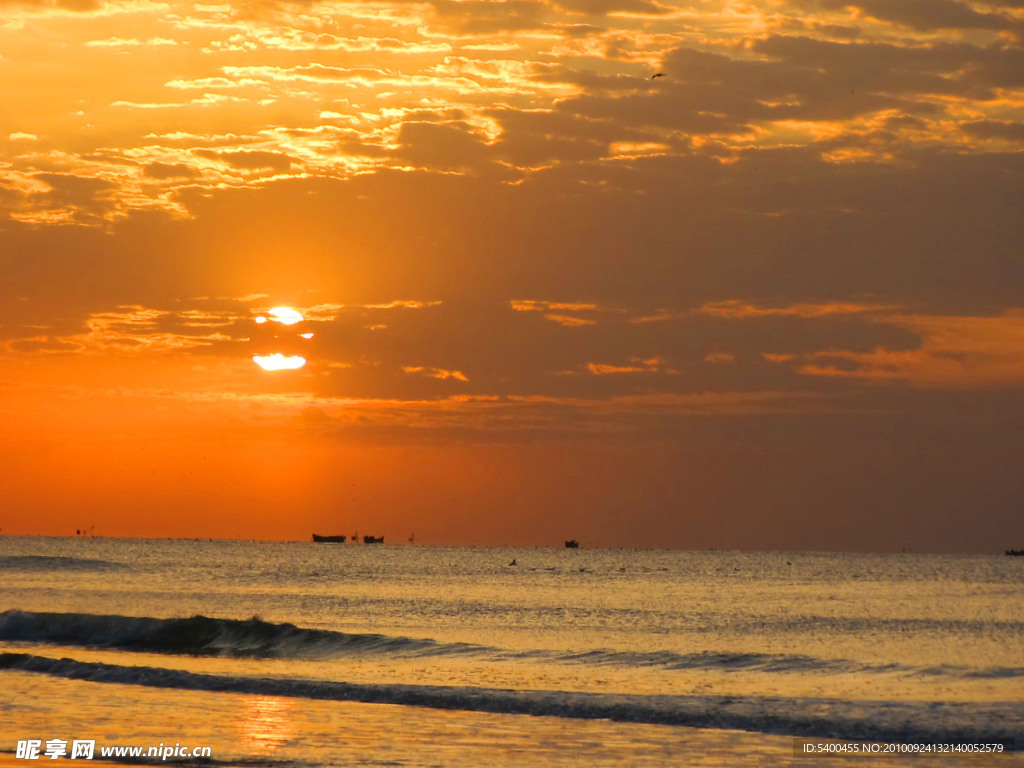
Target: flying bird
657 74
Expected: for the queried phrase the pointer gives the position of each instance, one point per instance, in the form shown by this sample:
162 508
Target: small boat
329 539
572 544
1015 552
373 539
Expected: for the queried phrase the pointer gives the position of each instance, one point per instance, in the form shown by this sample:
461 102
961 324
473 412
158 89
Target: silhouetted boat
1015 552
572 544
329 539
373 539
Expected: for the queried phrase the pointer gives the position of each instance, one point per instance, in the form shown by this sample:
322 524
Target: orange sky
773 298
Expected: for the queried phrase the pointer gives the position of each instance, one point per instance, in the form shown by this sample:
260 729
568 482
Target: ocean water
341 655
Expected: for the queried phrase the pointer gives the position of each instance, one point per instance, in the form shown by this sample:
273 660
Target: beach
274 653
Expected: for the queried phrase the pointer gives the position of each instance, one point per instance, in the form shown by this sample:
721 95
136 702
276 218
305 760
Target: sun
278 361
283 315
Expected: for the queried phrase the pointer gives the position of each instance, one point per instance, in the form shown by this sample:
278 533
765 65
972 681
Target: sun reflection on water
266 723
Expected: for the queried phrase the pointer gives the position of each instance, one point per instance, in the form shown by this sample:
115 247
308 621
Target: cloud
68 197
479 17
795 258
62 5
170 171
417 350
770 169
501 351
45 345
535 138
440 145
994 129
250 160
118 42
927 14
604 7
795 79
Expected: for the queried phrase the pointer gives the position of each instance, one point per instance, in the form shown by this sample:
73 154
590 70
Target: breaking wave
197 636
906 722
255 638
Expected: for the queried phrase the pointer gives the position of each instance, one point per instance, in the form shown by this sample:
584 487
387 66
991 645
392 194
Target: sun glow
285 315
279 362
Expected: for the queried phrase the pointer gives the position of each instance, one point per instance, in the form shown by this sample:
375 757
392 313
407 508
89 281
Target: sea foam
907 722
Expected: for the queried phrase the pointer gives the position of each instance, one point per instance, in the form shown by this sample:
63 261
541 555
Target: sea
250 653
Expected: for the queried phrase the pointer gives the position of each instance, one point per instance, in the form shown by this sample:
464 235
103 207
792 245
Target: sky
697 274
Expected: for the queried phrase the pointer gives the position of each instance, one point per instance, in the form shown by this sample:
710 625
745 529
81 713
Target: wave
767 662
200 636
818 624
906 722
255 638
757 662
51 563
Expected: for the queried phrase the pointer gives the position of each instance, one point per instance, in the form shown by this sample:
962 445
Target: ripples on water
868 646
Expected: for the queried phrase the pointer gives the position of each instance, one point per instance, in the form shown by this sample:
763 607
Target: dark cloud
842 31
795 78
576 30
440 145
355 146
874 67
532 138
927 14
170 171
497 350
490 348
603 7
479 17
940 231
80 199
43 345
994 129
71 188
904 122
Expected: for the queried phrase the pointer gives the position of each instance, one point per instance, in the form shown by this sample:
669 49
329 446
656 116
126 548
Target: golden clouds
738 309
956 352
419 351
791 160
341 88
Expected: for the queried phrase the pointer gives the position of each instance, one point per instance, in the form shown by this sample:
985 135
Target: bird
657 74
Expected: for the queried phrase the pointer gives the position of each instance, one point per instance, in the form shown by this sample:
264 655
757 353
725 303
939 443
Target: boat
1015 552
572 544
373 539
329 539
